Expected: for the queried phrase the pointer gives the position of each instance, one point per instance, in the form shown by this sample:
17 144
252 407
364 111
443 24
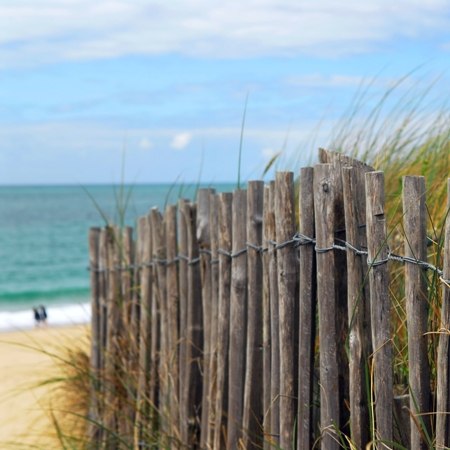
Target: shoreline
28 358
63 314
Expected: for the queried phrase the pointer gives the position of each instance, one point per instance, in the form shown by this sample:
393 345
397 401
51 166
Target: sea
44 243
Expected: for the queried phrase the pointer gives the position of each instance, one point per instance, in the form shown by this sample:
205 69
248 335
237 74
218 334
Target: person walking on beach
43 314
37 317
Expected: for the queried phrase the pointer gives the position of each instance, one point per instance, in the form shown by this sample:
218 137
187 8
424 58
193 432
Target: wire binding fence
228 325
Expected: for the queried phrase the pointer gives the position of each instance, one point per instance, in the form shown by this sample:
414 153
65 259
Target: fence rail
227 323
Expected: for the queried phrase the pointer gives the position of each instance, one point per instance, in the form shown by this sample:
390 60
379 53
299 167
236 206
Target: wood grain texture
212 392
274 432
288 299
380 309
253 388
223 326
204 242
238 322
95 357
143 406
443 357
173 307
307 312
414 224
183 218
360 343
324 199
267 352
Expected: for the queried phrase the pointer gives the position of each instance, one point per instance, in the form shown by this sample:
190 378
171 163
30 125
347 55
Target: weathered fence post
204 242
253 389
324 199
143 407
267 353
154 393
274 434
103 302
94 266
114 329
380 309
443 357
126 258
415 226
212 392
170 223
339 161
238 320
288 304
183 215
160 304
359 340
193 387
307 310
223 326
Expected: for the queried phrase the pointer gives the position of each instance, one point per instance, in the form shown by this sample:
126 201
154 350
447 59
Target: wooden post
288 301
238 320
253 388
274 435
267 352
136 298
193 386
380 308
443 357
155 331
223 326
114 300
126 258
103 294
339 161
307 311
134 323
172 320
143 407
212 393
360 347
183 208
415 226
204 242
94 266
161 328
324 199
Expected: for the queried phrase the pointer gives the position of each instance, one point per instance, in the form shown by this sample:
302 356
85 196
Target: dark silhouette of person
43 314
37 316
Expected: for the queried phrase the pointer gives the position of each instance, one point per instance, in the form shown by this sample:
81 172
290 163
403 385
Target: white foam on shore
71 314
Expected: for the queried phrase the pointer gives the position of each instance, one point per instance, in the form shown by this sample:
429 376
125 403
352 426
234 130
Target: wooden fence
228 323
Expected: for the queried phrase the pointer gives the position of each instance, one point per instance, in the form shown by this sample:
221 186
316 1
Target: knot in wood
325 186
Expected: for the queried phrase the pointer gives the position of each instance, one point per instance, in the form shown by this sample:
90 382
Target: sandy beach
27 359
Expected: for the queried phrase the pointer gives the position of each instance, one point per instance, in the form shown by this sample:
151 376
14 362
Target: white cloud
39 31
318 81
181 141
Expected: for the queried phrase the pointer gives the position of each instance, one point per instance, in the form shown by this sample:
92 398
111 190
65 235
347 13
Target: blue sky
81 82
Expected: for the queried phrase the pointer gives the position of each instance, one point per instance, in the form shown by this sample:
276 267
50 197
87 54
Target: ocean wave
25 297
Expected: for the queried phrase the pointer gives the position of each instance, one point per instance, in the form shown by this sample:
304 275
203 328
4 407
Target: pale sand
24 422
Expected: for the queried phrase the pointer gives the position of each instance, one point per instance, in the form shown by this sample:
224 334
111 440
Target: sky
156 90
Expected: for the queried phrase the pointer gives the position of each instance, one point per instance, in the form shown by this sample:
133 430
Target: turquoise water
44 237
